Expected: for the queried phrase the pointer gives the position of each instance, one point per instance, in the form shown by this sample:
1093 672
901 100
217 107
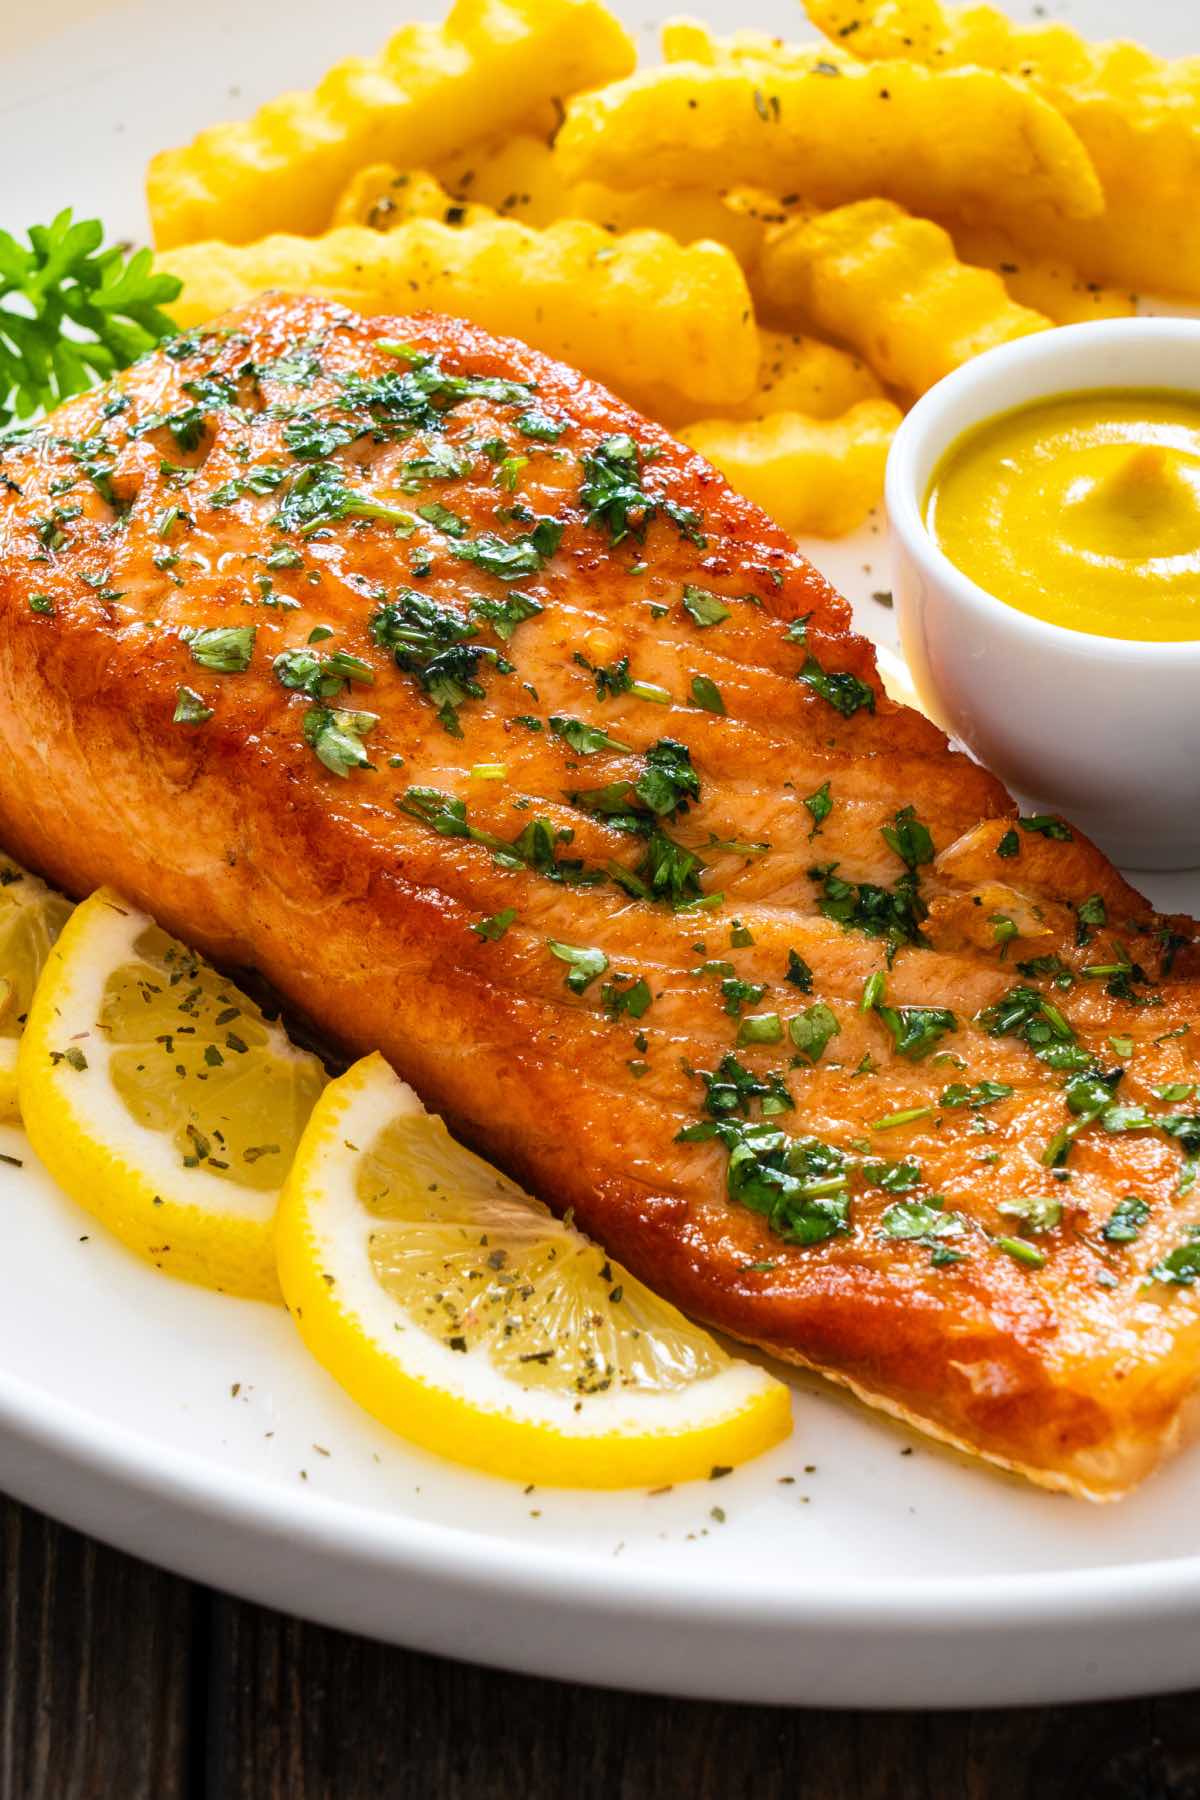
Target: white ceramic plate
857 1565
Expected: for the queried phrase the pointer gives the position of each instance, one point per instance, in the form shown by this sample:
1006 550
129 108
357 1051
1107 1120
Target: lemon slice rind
187 1221
458 1404
34 900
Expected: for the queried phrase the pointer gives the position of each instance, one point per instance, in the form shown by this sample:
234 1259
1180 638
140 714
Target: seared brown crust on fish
932 1239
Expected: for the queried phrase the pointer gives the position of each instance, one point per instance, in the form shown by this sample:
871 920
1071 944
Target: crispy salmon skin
406 666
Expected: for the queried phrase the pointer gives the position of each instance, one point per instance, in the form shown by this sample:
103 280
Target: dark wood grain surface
123 1683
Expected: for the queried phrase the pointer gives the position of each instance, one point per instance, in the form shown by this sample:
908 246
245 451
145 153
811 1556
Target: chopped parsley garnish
337 737
1002 931
800 1185
441 462
614 497
1088 1095
1180 1266
1051 968
510 561
259 481
1009 844
226 648
734 992
1027 1014
703 608
43 604
665 788
505 615
492 929
916 1030
1037 1212
983 1093
706 694
535 846
839 688
819 807
893 1177
734 1088
799 973
313 439
539 425
633 999
1048 826
665 871
1089 914
1125 1221
908 1116
428 640
585 966
419 398
616 679
925 1222
760 1028
909 838
442 519
1021 1251
318 495
190 708
584 739
811 1030
895 914
320 677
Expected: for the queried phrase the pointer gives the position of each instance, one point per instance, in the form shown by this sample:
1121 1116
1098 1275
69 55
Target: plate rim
41 1418
955 1641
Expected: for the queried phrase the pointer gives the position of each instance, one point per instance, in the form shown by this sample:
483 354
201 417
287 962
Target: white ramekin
1104 730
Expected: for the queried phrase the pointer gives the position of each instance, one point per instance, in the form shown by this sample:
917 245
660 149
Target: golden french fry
522 178
383 197
798 374
661 322
816 477
430 89
984 36
1045 282
892 287
1137 116
518 176
687 40
834 130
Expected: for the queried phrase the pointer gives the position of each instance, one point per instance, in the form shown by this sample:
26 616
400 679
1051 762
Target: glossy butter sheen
1083 510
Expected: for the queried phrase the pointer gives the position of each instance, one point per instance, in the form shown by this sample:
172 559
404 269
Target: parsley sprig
72 313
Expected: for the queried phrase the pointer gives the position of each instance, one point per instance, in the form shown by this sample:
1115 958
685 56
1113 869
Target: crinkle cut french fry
1050 54
654 319
522 179
692 40
816 477
485 70
1137 116
384 197
1047 283
518 176
938 142
892 287
799 374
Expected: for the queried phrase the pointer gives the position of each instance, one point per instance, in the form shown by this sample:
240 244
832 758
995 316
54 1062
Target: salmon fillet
411 669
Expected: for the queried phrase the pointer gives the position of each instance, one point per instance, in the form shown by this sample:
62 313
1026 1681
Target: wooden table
121 1682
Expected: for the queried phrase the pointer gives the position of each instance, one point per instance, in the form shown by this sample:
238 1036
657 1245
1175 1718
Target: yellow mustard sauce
1083 510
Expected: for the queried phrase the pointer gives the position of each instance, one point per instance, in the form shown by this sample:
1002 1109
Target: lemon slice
31 917
160 1098
466 1317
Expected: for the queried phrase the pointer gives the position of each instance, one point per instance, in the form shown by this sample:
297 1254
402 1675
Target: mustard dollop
1083 510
